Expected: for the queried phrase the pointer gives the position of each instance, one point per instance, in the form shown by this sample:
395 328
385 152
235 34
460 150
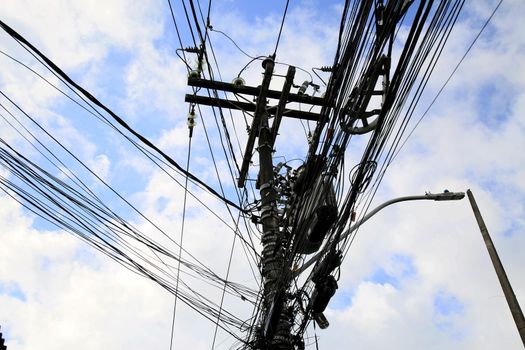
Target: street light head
449 196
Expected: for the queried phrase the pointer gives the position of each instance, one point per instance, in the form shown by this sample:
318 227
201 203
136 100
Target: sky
417 275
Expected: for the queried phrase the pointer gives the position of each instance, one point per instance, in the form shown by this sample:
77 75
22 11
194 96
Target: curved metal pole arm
445 196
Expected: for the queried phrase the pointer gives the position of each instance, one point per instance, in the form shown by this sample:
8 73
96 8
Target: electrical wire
119 120
280 29
456 67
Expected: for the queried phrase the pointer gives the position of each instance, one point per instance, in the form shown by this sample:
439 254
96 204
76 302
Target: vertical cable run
180 242
224 288
281 28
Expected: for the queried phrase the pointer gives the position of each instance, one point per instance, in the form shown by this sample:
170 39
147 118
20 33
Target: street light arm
445 196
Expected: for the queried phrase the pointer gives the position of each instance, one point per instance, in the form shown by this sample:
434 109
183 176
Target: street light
514 306
445 196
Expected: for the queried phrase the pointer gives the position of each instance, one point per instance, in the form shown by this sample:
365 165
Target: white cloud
101 166
153 79
76 33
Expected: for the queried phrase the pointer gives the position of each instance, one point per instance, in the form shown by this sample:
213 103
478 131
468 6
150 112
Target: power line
487 21
76 221
281 28
119 120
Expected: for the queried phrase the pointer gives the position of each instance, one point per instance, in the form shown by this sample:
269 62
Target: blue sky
417 275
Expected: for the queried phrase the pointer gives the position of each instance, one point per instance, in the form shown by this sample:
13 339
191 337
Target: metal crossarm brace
285 94
260 108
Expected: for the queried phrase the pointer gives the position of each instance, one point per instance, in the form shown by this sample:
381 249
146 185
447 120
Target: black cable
233 41
119 120
144 271
230 147
142 239
196 21
91 225
449 77
427 40
280 29
89 170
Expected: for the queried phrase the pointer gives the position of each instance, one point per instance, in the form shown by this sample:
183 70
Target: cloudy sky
417 276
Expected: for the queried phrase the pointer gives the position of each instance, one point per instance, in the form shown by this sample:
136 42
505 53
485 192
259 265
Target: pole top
266 61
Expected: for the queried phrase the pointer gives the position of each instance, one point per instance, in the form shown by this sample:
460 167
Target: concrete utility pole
514 306
277 336
275 320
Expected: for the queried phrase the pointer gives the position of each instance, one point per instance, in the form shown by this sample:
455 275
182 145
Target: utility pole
276 334
273 331
514 306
